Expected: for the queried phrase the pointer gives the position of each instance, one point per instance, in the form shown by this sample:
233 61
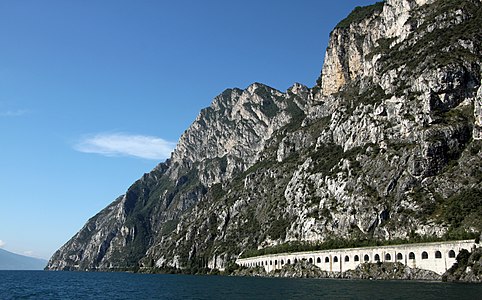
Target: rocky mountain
386 146
12 261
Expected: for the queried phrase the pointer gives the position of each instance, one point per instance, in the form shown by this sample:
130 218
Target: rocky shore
468 267
371 271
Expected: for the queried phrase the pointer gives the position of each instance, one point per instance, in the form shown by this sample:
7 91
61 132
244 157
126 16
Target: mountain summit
386 146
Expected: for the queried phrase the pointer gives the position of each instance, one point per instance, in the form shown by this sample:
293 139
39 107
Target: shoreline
242 273
466 269
366 271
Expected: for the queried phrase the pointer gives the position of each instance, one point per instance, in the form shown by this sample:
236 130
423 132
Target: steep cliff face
478 115
350 54
224 140
387 145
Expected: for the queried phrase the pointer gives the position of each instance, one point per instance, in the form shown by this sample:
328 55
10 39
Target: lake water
78 285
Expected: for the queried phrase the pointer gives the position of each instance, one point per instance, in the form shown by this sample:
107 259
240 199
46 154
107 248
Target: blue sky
95 93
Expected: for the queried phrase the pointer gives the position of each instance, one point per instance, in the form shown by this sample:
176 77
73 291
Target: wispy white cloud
121 144
13 113
2 243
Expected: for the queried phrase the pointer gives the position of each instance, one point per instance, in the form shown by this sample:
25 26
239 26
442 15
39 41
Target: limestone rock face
235 129
387 145
478 116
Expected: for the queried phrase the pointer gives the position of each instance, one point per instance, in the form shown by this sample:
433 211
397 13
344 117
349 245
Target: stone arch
310 260
356 258
270 262
275 262
318 260
262 263
327 259
399 256
296 260
288 262
282 262
438 254
411 255
388 256
424 255
347 258
366 257
452 254
377 257
335 259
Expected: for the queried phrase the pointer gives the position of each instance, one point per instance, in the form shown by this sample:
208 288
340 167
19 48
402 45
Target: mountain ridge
381 148
12 261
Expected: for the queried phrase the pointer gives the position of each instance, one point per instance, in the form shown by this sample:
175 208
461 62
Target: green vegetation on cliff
360 13
468 267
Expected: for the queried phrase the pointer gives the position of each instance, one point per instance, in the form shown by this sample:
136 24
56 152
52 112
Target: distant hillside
12 261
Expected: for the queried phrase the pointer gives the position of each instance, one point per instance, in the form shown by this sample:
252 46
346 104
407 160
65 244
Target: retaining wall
437 257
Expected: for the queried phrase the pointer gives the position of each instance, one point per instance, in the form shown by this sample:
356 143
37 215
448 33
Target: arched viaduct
437 257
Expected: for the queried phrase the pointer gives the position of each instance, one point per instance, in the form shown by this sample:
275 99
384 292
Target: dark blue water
77 285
